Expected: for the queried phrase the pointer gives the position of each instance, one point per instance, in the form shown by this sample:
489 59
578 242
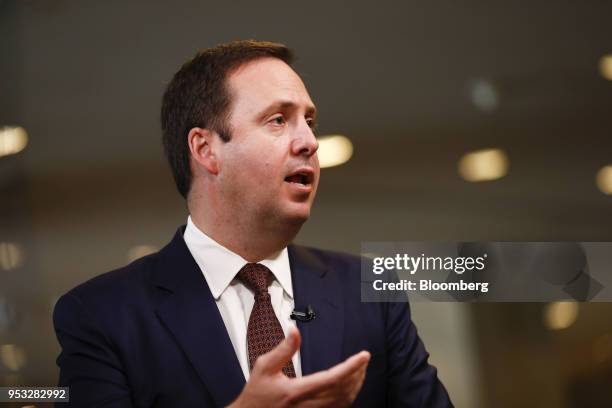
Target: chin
296 216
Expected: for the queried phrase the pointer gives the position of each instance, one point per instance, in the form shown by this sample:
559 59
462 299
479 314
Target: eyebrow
311 110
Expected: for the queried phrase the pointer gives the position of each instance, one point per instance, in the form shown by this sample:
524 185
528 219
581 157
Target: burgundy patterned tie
264 331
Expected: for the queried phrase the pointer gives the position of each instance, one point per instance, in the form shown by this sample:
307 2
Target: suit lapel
190 313
314 285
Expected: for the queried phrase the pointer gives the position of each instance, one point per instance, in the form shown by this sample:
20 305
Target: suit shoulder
333 256
116 285
335 261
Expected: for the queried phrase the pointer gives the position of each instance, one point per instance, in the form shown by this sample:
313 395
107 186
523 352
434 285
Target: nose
304 143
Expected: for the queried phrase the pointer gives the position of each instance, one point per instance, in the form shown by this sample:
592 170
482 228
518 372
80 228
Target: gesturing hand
269 387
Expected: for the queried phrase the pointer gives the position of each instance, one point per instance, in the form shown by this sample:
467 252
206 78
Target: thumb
274 360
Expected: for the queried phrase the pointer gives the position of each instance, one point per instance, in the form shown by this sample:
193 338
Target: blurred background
454 121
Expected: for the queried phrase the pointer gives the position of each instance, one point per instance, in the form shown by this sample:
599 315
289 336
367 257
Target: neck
251 240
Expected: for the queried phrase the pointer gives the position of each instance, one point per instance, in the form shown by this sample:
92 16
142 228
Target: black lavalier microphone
306 316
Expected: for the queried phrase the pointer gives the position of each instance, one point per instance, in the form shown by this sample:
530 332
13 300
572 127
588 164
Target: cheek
265 163
258 163
259 169
253 175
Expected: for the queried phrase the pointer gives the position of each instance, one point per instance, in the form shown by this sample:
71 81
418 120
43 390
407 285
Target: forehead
266 81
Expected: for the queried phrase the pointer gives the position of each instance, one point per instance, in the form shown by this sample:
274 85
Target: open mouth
304 178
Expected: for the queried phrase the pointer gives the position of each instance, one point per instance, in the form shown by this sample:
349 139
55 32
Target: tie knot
256 277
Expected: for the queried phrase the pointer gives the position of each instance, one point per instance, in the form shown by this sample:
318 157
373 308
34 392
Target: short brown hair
198 96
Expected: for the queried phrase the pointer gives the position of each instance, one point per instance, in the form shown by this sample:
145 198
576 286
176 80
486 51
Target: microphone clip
306 316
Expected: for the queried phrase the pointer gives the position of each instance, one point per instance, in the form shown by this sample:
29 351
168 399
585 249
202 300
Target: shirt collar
220 265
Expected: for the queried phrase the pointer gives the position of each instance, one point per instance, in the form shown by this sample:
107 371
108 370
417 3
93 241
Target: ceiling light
605 66
334 150
12 356
13 139
604 179
484 95
11 256
560 315
484 165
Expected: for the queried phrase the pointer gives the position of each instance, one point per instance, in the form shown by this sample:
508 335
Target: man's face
269 169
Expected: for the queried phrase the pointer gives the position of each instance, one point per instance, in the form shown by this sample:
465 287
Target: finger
333 393
351 365
322 380
356 381
346 391
279 356
353 388
353 381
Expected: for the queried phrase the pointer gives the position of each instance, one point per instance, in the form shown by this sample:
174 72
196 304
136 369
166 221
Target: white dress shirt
235 301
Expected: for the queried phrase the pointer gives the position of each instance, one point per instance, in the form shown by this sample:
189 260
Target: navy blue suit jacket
150 335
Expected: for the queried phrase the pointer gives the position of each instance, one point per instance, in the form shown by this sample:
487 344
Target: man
207 320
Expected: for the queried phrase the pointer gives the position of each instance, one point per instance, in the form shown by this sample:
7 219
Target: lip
305 172
300 188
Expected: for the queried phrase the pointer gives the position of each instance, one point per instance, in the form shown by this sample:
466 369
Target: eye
278 120
311 123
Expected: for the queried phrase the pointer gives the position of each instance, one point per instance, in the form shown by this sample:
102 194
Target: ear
201 144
